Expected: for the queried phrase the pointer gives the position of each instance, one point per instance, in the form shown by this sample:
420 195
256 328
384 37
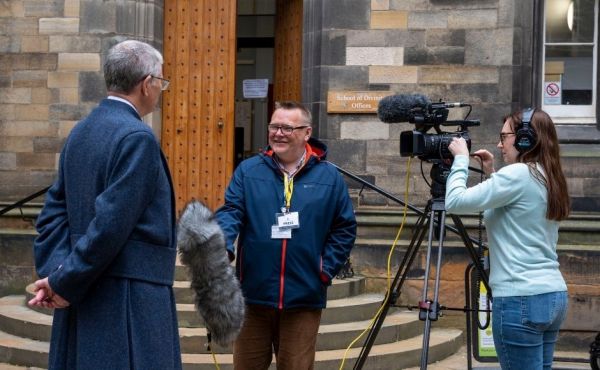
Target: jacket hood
314 148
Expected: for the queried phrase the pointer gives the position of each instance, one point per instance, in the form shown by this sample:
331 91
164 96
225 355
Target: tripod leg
430 308
395 287
469 314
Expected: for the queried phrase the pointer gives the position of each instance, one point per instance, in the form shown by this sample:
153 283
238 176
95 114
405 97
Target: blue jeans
525 329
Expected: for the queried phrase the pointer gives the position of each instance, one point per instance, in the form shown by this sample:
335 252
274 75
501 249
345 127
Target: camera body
432 146
429 146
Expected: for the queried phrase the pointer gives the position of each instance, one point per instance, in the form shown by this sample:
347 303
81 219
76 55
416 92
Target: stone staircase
352 302
25 332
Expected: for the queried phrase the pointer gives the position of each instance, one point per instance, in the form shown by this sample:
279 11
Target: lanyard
288 180
288 189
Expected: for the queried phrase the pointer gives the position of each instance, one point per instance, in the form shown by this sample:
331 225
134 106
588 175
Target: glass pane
570 71
569 20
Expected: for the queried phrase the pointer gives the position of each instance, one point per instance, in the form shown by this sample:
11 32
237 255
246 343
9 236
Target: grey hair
290 104
129 62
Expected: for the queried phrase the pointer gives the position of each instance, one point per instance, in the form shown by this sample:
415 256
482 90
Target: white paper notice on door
256 88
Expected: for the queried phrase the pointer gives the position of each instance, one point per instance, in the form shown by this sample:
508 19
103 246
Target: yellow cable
210 348
389 267
214 358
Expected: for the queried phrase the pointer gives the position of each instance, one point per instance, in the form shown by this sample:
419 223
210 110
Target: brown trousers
290 334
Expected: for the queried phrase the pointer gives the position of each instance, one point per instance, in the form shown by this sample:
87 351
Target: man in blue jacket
106 246
293 218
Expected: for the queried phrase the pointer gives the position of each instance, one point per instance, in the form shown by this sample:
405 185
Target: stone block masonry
450 50
51 77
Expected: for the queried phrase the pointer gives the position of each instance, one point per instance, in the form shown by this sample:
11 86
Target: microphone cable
209 347
481 256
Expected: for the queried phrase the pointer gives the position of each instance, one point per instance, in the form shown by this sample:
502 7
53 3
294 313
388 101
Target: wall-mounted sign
354 101
258 88
552 93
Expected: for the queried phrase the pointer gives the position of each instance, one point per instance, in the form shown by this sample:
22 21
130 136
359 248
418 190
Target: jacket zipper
282 276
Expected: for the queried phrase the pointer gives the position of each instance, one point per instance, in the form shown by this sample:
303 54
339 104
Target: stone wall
16 261
475 52
51 76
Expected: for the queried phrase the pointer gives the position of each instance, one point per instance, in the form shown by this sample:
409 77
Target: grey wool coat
107 244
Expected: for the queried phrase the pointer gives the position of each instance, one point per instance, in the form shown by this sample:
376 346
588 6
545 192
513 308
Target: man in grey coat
106 246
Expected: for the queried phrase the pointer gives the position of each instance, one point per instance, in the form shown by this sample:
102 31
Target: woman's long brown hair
546 152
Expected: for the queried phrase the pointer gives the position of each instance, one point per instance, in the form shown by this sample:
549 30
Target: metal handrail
399 201
21 202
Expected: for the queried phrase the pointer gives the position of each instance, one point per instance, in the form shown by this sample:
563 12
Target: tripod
429 309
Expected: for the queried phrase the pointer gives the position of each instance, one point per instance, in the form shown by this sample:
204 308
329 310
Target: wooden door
288 50
198 109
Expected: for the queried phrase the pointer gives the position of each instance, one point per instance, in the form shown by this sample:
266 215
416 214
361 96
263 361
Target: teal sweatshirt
522 241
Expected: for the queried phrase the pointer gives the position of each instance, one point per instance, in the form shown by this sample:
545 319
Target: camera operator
522 203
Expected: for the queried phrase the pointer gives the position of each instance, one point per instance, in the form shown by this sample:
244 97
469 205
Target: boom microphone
399 108
218 295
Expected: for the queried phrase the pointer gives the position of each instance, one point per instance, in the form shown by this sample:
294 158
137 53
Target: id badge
289 220
279 233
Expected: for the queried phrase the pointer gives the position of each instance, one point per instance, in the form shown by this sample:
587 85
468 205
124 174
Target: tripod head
440 170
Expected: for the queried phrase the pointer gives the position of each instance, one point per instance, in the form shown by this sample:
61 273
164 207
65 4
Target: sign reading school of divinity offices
354 101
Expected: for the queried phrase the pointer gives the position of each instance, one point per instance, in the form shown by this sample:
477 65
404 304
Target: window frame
570 114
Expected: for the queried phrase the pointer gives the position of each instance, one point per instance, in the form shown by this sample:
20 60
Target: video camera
419 110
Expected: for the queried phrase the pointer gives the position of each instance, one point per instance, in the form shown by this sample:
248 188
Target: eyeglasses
164 83
285 129
503 136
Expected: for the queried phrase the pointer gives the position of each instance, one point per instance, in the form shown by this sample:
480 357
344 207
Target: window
570 53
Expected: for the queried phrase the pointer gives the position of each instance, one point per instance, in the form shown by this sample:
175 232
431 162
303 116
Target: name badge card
279 233
288 220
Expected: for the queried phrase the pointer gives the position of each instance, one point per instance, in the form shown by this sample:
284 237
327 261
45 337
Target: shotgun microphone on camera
403 108
400 108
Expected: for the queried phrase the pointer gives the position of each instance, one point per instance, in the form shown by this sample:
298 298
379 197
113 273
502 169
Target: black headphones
526 136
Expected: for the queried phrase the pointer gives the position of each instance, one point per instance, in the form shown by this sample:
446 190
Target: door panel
288 50
198 108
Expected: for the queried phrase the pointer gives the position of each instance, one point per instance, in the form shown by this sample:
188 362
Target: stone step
397 355
467 217
397 326
580 264
5 366
19 351
23 351
358 308
23 217
19 320
181 272
458 361
340 288
354 308
579 228
16 259
25 330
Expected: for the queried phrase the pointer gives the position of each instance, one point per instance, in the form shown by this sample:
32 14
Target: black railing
20 203
413 208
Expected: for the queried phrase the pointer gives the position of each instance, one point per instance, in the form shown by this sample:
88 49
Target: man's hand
46 297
